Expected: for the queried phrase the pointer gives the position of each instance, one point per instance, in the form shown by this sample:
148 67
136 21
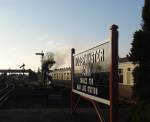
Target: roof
15 70
124 59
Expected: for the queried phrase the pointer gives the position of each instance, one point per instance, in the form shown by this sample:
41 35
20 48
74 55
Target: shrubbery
140 112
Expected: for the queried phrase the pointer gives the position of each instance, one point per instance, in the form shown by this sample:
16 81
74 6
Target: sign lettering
91 71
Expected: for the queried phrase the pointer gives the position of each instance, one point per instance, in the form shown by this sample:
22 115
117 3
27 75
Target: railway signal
42 56
23 67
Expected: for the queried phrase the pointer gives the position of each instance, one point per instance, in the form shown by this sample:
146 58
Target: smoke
48 60
62 59
48 56
62 55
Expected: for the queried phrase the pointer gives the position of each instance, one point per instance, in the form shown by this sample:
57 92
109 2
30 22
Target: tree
48 62
139 53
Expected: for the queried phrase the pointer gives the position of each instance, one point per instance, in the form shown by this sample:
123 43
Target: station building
125 69
126 80
62 74
62 77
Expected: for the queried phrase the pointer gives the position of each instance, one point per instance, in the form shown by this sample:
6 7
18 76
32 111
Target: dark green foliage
146 16
135 74
141 91
140 47
140 112
140 54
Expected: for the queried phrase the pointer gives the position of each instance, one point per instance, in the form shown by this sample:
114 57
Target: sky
30 26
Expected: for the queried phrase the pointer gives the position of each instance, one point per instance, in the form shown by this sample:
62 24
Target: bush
140 112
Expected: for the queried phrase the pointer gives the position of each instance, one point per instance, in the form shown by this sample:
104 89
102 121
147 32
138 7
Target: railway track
5 91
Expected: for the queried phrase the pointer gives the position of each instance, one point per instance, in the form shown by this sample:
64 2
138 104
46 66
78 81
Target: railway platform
55 115
46 115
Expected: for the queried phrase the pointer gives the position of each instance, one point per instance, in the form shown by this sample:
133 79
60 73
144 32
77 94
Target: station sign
91 73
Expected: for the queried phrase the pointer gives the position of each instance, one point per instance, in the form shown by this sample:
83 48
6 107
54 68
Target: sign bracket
94 103
75 103
96 107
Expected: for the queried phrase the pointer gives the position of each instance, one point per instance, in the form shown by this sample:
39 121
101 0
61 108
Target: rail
5 93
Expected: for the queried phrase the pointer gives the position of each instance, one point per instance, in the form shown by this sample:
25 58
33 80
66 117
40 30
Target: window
129 69
128 76
120 71
61 76
120 74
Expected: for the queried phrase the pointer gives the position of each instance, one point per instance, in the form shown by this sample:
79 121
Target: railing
5 90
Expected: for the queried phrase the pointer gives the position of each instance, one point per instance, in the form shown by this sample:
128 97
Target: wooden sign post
113 88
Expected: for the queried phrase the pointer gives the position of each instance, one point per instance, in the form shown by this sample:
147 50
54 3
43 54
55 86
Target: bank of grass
140 112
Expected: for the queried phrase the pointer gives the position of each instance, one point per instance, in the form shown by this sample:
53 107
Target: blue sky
29 26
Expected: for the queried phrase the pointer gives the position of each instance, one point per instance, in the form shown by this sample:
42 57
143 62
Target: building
62 74
125 69
126 81
62 77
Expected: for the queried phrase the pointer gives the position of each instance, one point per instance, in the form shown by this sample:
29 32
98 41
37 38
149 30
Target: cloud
50 42
56 43
13 49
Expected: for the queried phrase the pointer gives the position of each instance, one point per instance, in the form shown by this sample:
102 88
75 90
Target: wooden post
113 85
72 77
